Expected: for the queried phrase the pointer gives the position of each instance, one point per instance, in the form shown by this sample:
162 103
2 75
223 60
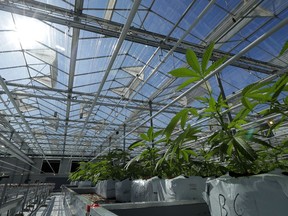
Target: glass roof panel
55 66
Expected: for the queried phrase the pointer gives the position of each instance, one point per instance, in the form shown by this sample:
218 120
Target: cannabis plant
108 166
231 144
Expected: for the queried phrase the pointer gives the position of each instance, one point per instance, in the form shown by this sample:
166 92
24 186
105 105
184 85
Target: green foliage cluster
109 166
232 147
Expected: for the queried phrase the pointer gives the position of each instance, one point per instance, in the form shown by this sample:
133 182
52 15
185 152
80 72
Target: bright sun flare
30 31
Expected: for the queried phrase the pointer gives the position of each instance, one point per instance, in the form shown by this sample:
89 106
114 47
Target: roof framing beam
70 100
74 49
121 39
76 93
92 122
80 21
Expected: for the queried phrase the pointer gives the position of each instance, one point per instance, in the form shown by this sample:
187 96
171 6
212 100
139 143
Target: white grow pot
123 190
259 195
181 188
146 190
107 188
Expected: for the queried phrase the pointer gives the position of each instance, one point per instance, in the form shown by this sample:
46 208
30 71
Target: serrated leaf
203 99
158 133
242 114
259 96
160 141
279 86
214 137
286 100
215 65
245 101
259 141
185 155
284 48
188 82
135 159
191 152
183 72
144 137
211 153
192 60
159 163
172 124
230 148
206 56
254 86
193 111
245 149
150 134
184 119
136 144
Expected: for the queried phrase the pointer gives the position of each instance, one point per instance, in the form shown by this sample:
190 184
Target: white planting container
123 190
258 195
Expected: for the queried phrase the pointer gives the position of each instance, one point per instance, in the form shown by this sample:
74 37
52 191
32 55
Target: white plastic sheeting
179 188
123 190
106 188
259 195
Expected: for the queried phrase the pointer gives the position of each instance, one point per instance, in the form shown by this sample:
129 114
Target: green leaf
150 134
144 137
133 160
193 111
215 65
259 97
188 82
279 86
230 148
242 114
286 100
245 149
284 48
245 101
211 153
136 144
183 72
185 155
191 152
214 137
158 133
192 60
212 105
160 141
259 141
206 56
159 163
254 86
172 124
202 99
184 119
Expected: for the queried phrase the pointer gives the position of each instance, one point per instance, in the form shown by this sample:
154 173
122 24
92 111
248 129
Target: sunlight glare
29 31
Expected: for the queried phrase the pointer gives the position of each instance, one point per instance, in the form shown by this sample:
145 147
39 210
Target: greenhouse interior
134 107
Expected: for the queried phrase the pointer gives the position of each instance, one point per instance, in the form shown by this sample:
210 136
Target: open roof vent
23 106
138 78
53 123
84 110
198 92
49 57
